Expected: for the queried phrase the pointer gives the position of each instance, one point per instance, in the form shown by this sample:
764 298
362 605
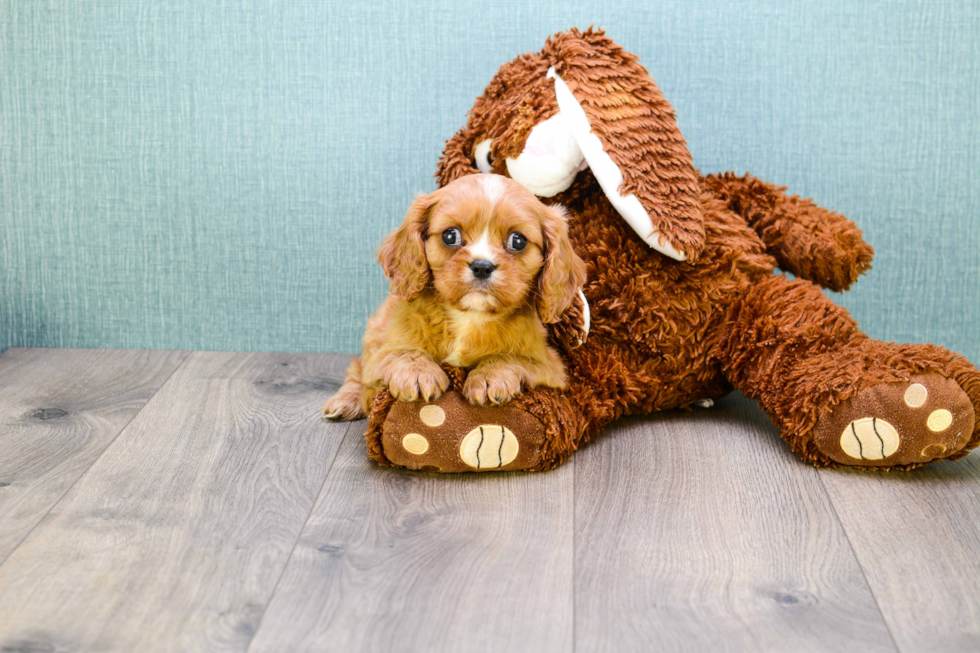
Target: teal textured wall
216 175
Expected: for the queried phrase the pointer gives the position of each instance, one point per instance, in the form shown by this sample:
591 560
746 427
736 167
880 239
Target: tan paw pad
432 415
939 420
916 395
933 451
415 444
489 446
869 438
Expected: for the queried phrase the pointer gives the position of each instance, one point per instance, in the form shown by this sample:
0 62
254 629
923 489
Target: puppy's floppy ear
402 254
627 133
563 273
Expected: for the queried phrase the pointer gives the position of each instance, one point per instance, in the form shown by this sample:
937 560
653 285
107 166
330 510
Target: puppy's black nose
482 269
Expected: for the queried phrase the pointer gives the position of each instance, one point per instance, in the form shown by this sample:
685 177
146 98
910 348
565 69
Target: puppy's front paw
417 379
494 385
343 406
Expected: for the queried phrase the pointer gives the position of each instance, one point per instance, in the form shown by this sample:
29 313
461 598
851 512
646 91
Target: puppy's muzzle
482 269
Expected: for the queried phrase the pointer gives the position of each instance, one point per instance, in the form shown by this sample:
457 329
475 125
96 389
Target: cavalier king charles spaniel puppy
477 269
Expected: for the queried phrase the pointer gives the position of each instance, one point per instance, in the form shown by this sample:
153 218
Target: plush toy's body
682 299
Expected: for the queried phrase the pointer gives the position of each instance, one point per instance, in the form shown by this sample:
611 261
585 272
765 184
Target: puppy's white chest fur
466 328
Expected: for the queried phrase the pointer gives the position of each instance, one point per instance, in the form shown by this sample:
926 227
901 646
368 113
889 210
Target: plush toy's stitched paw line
869 438
889 424
489 446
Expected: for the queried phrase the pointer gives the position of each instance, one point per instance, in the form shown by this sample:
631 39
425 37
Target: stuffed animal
681 304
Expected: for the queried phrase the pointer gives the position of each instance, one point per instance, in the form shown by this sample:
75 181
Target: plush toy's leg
537 430
807 240
840 398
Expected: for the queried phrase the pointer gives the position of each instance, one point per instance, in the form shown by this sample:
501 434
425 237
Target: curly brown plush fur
666 333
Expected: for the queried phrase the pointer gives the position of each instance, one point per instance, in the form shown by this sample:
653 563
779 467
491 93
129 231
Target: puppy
477 268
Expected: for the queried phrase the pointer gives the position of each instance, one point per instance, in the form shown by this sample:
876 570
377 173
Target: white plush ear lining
550 159
586 315
607 173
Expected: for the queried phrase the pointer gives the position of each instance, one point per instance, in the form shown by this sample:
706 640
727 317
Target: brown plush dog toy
681 295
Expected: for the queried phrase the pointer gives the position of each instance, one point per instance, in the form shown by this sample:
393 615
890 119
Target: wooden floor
174 501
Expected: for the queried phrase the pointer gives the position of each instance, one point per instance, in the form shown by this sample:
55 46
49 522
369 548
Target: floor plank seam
299 536
864 574
574 551
97 458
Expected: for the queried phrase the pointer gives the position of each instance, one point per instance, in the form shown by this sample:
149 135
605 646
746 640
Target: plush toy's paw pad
453 435
489 446
869 438
926 419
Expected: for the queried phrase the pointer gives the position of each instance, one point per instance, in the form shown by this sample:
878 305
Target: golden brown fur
439 311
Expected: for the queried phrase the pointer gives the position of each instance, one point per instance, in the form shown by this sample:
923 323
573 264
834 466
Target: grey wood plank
917 536
399 561
702 532
59 410
177 535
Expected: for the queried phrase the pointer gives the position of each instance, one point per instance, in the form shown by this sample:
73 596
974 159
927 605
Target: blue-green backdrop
216 174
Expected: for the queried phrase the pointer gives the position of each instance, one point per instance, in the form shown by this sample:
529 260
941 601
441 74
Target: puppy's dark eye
516 242
451 237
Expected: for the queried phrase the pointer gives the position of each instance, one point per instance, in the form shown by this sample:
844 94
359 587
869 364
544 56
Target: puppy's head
485 243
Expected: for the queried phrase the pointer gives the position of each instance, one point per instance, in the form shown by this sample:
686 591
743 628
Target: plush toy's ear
563 274
402 254
627 132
